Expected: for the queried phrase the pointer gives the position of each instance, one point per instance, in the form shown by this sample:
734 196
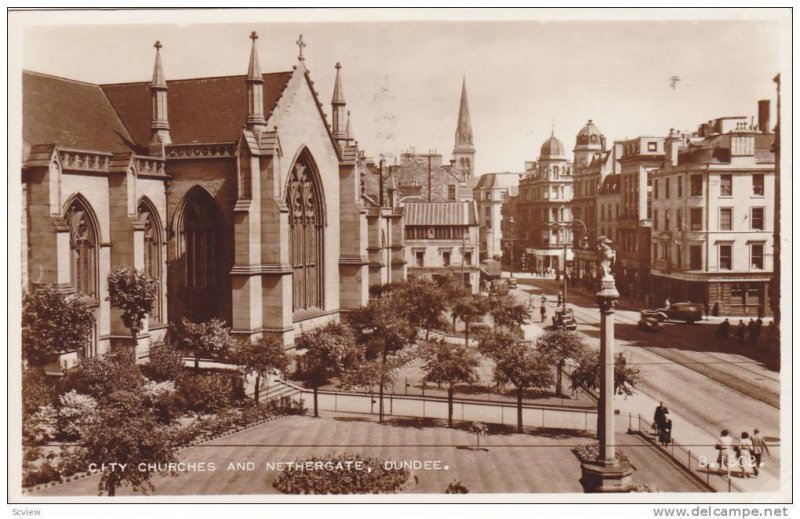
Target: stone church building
234 193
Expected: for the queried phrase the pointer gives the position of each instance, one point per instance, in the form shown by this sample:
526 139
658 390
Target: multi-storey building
591 164
491 192
639 158
542 216
713 216
441 238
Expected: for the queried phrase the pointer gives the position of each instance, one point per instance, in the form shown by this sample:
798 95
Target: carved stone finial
254 36
157 45
300 45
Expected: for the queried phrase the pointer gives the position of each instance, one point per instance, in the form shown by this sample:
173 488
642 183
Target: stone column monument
607 473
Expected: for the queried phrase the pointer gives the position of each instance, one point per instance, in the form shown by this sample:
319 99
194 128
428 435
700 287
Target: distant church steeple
159 126
464 151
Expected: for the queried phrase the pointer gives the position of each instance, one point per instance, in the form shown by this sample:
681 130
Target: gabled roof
200 110
440 213
71 114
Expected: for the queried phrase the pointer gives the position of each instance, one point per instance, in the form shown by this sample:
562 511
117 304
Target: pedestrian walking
705 310
543 312
740 329
751 331
665 434
725 448
666 303
759 328
724 329
759 449
745 454
659 416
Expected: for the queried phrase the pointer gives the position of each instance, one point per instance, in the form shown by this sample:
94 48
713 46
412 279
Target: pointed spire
349 128
254 70
464 127
158 69
338 91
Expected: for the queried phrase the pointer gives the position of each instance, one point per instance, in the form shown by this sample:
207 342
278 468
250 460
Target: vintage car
564 319
650 320
687 312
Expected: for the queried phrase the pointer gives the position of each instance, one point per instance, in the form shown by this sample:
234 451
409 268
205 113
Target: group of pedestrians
752 330
746 454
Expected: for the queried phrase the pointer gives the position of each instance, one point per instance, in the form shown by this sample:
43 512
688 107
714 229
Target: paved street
707 384
510 463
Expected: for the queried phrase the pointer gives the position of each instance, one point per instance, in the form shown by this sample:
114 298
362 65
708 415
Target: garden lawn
536 463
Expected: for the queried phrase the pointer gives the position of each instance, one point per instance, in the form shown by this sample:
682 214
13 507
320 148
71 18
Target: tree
447 363
559 346
165 362
506 311
207 339
423 302
103 375
381 330
469 308
260 357
126 432
587 373
329 351
133 293
520 364
53 323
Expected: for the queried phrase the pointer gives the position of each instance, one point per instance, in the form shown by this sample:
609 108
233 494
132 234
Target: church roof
72 114
200 110
440 213
552 147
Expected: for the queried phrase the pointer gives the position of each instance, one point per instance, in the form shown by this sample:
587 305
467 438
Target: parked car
658 315
565 320
687 312
499 286
512 282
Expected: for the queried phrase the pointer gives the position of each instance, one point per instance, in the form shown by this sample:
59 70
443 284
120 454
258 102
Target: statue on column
606 256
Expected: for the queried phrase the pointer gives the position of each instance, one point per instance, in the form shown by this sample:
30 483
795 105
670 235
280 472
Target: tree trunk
519 409
197 364
380 389
450 405
428 334
112 490
258 383
316 409
559 371
466 333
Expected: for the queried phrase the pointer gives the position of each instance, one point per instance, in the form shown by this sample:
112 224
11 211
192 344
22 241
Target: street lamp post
511 240
607 473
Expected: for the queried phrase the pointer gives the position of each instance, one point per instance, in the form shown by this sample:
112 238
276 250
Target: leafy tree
381 330
260 357
75 413
559 346
520 364
329 351
207 339
587 373
423 302
53 323
507 311
447 363
469 308
133 293
128 432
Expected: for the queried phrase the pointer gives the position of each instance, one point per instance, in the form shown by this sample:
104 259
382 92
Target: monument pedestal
598 477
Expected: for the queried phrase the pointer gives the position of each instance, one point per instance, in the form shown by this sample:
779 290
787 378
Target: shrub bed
591 452
345 473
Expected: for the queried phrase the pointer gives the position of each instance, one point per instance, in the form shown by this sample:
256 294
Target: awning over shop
491 268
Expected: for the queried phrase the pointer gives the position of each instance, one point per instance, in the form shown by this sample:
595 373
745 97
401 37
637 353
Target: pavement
506 463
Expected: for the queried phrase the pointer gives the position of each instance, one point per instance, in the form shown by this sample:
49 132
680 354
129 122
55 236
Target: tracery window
306 226
152 254
83 239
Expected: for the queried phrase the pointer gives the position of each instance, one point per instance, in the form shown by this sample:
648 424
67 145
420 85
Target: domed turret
552 149
590 135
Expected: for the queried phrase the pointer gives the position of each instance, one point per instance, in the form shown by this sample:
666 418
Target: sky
402 80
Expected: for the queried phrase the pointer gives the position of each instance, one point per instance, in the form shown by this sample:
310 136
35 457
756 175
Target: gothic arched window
84 244
152 253
200 242
306 227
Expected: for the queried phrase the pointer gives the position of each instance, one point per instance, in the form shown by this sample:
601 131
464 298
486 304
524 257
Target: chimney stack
763 116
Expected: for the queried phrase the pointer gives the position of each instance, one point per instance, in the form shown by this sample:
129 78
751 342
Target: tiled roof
200 110
440 213
71 114
500 180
